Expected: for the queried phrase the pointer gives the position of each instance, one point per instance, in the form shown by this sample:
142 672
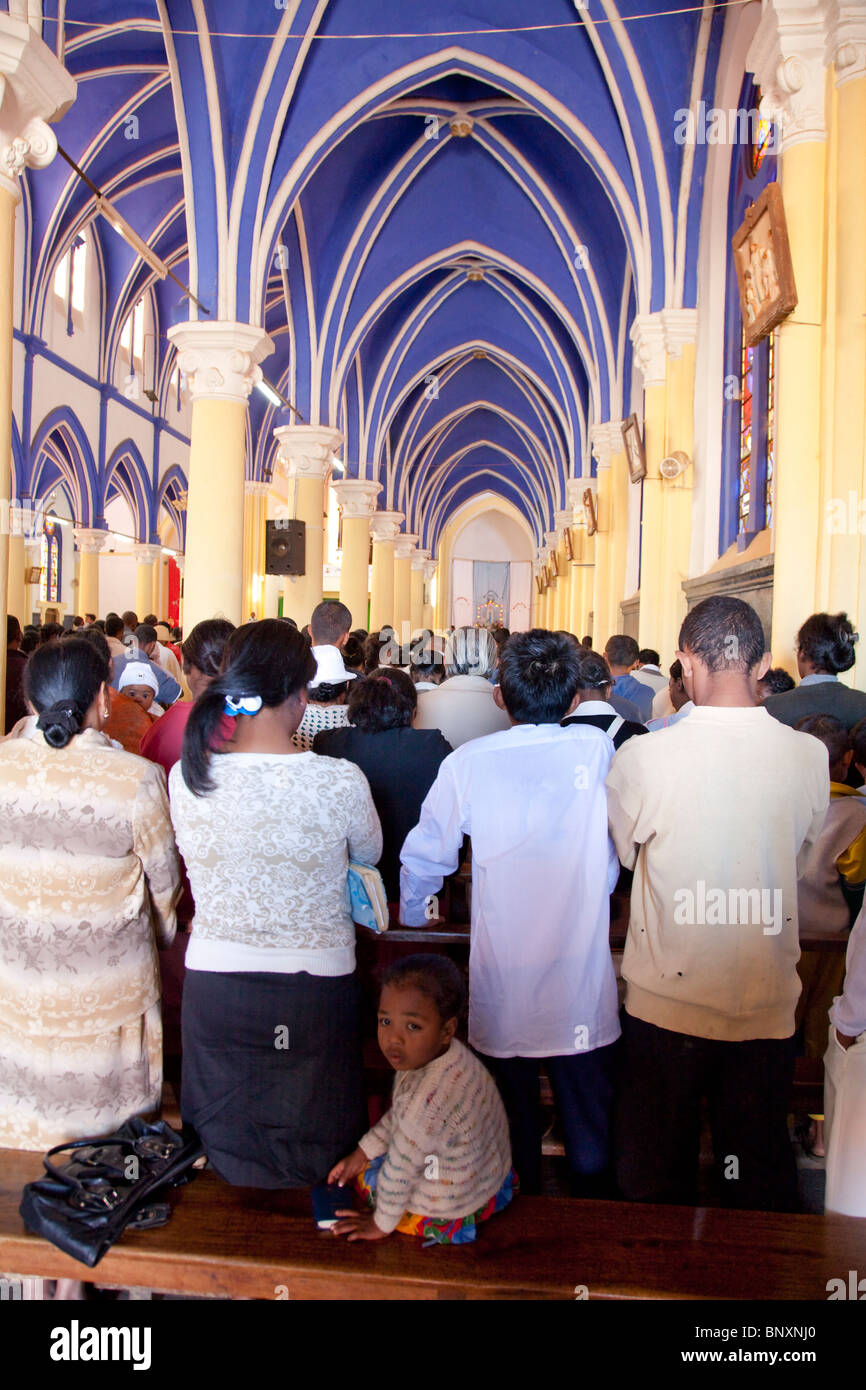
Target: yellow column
428 616
845 509
307 450
255 519
664 353
220 360
20 520
606 443
357 499
36 89
618 554
89 542
384 528
147 559
416 589
404 548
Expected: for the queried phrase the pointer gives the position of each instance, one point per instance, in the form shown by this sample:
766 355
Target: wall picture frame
634 449
589 510
762 260
554 565
33 574
539 583
568 543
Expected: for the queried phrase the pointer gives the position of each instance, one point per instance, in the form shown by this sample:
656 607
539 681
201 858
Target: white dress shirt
541 980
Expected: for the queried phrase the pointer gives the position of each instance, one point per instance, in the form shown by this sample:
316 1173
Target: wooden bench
234 1243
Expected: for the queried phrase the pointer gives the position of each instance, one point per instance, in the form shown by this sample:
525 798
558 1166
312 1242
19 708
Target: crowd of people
227 781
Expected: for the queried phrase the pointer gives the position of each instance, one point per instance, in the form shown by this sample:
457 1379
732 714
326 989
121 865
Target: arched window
49 584
70 282
749 423
132 334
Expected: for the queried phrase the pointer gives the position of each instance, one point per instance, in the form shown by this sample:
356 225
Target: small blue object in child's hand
328 1199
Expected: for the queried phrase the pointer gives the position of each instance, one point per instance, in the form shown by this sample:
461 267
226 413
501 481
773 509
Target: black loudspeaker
286 547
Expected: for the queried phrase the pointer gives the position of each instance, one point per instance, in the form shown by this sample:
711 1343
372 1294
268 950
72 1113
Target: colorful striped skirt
458 1230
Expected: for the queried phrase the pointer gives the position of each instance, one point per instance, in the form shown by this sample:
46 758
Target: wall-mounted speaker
286 545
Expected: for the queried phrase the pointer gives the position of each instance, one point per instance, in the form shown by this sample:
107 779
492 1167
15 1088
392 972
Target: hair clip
242 704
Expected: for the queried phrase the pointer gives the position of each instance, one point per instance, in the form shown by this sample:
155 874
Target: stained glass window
49 558
747 364
762 138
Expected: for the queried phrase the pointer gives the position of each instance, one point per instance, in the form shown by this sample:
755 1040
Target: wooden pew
234 1243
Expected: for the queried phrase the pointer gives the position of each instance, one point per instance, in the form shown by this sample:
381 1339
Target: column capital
89 540
430 568
26 521
551 540
385 526
180 561
605 441
307 449
145 554
256 489
787 57
405 544
357 497
659 336
565 518
34 89
220 359
419 559
846 40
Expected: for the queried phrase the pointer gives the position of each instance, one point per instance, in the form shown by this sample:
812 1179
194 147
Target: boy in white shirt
711 814
541 980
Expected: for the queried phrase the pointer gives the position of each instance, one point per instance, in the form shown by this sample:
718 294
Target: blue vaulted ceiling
472 213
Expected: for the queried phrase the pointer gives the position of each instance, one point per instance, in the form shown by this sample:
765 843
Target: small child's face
411 1032
141 694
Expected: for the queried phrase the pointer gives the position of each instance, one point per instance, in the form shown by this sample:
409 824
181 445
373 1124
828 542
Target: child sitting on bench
439 1161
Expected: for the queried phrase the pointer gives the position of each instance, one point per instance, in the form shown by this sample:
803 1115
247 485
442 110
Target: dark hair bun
827 641
61 722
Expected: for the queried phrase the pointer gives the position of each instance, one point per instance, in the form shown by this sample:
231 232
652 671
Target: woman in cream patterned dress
88 881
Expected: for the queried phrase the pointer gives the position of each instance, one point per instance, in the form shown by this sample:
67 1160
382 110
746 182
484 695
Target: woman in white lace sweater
439 1161
271 1027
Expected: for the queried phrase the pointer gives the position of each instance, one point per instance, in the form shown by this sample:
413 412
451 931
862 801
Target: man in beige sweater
712 814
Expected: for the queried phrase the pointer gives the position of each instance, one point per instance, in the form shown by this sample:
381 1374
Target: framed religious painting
568 543
539 583
762 259
634 450
546 572
589 512
554 564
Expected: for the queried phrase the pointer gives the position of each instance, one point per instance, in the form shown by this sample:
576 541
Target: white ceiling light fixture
269 393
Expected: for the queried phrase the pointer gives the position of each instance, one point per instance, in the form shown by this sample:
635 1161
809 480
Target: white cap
329 668
136 673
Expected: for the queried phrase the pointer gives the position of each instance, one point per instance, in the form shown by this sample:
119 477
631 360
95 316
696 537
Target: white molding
306 449
405 544
385 526
257 489
89 540
35 89
357 497
420 560
659 336
146 554
846 41
787 57
220 359
606 440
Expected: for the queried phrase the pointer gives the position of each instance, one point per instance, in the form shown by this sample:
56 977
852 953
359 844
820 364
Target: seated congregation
132 820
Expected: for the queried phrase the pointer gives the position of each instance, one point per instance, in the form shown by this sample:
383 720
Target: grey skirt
271 1074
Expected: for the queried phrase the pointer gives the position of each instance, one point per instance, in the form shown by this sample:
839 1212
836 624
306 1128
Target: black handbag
84 1205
